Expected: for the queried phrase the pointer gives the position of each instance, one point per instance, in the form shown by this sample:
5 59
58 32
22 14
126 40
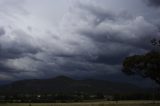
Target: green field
110 103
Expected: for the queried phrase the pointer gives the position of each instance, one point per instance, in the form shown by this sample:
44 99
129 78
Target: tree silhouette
147 65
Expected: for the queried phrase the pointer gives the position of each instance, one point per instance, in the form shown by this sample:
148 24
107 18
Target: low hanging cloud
91 40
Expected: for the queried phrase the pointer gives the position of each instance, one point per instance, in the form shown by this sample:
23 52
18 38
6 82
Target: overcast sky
77 38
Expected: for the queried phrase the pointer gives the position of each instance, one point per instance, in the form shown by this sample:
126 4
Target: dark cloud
114 35
4 69
2 31
155 3
93 43
104 59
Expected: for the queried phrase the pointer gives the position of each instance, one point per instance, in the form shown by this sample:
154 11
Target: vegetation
103 103
147 65
64 89
77 97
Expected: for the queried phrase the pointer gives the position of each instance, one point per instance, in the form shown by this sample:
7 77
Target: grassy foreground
105 103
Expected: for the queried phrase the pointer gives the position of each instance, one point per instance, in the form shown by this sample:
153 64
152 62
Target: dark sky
77 38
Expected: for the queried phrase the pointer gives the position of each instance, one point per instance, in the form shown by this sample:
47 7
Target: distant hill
65 84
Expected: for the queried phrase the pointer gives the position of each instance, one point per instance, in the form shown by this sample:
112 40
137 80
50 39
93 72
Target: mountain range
68 85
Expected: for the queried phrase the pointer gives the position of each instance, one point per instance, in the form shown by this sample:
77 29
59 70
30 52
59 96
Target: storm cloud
87 38
155 3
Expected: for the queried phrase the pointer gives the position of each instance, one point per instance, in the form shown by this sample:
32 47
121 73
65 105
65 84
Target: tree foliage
147 65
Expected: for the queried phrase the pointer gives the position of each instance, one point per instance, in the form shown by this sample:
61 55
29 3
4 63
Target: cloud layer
91 39
155 3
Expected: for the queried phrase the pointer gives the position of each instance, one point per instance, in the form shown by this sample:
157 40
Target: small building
38 96
108 97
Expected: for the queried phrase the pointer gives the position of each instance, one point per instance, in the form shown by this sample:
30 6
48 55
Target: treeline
78 97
